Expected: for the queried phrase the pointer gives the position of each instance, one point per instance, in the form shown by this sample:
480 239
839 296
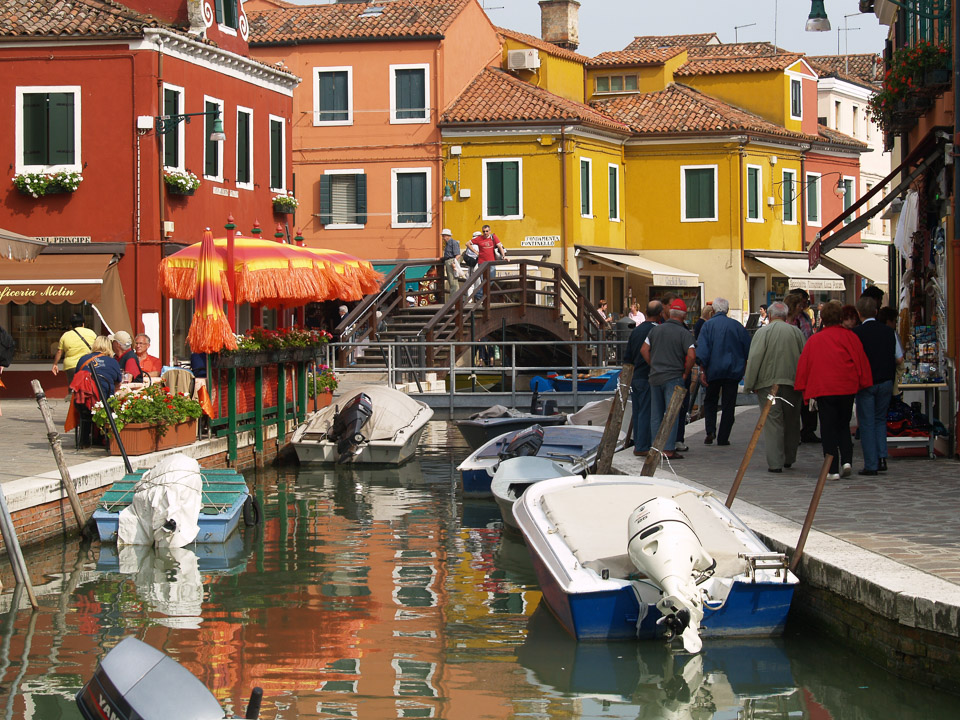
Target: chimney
559 24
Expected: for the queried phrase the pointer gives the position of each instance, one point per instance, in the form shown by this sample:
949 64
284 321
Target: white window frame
317 71
344 226
589 161
746 182
792 200
394 120
683 193
609 79
617 168
483 209
180 130
226 29
283 153
806 193
77 165
853 200
213 178
245 111
394 173
799 81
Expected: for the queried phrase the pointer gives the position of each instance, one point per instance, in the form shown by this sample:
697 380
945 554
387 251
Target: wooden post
669 418
751 445
13 550
54 437
611 433
811 511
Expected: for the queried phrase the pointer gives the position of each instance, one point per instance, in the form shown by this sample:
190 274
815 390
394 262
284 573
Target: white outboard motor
664 547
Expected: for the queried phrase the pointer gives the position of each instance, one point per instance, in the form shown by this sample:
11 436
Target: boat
371 424
514 475
227 558
597 412
482 427
223 495
621 557
573 447
585 383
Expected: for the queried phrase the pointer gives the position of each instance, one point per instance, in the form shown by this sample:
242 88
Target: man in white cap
451 260
127 357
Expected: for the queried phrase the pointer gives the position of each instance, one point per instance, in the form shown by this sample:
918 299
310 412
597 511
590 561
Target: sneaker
833 476
681 447
846 470
708 440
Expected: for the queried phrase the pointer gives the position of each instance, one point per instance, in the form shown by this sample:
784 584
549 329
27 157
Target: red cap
678 304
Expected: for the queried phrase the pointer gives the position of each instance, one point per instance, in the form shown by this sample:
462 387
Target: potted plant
180 182
150 419
38 184
326 382
285 204
914 71
261 346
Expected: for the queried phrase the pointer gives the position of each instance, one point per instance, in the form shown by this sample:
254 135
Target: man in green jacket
774 354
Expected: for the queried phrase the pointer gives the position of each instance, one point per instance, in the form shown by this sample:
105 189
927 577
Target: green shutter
795 89
495 189
411 198
61 129
699 190
813 207
847 200
511 188
171 140
276 154
35 129
230 13
333 97
219 10
753 193
612 175
410 94
243 147
326 200
584 187
211 151
361 199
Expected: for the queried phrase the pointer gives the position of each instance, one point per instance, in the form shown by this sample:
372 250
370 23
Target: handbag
469 258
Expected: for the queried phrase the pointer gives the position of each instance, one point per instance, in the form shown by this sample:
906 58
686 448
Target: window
333 96
754 188
227 16
502 189
616 83
613 191
788 193
173 140
813 198
849 198
278 164
245 148
586 181
343 199
796 98
872 223
409 89
856 121
836 114
212 150
48 128
698 191
410 197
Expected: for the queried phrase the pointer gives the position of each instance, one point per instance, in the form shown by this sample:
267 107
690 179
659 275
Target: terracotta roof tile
624 58
737 64
496 97
70 18
835 137
862 68
650 42
385 20
744 49
539 44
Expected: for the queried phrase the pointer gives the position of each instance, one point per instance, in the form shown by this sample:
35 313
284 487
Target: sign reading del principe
540 241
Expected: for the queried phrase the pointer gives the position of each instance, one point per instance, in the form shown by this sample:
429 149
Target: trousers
834 412
726 392
872 405
781 432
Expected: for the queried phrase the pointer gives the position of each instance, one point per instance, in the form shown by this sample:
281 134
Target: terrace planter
143 438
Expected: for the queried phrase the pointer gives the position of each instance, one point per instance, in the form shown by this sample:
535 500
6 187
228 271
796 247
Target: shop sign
226 192
35 294
540 241
823 284
65 239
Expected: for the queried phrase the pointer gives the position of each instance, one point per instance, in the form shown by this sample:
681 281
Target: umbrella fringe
210 332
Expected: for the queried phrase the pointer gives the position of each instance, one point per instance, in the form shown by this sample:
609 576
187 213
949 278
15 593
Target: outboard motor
347 424
535 407
524 443
550 407
663 546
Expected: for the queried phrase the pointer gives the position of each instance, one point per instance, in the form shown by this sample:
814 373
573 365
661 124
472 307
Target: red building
108 91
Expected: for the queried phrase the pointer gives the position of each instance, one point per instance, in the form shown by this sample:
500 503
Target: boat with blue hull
621 557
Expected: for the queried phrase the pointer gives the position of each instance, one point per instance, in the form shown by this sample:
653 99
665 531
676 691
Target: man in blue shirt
722 349
640 386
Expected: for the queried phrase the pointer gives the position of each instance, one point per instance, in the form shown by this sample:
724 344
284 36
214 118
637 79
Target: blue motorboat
585 383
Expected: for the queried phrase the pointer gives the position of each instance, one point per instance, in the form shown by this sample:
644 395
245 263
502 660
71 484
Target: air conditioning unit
523 59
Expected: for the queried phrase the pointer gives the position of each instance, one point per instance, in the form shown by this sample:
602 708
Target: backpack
8 347
469 258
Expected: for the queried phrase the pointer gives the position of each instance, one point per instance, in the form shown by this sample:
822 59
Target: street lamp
817 21
168 123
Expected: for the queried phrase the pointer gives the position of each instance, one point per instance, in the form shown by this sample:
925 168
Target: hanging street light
817 21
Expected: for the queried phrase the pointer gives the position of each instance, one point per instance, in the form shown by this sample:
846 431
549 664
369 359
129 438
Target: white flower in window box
285 203
181 182
38 184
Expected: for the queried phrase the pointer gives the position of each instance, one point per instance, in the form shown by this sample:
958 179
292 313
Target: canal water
385 594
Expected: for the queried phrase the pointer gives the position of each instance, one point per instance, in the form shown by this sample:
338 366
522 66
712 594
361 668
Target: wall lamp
168 123
817 21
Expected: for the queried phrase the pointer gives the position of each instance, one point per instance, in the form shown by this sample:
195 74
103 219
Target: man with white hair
774 354
451 260
127 357
722 348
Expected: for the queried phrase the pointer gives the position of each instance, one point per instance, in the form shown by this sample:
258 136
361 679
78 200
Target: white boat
372 424
514 475
620 557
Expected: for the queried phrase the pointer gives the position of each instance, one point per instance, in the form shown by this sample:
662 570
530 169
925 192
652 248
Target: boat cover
167 579
169 491
596 413
392 411
497 411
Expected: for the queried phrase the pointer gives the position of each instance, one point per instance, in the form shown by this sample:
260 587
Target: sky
612 24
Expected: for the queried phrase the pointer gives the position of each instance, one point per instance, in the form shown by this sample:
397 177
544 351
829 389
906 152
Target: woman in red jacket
832 369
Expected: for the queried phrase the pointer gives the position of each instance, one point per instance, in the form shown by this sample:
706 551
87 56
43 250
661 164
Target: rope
663 458
773 400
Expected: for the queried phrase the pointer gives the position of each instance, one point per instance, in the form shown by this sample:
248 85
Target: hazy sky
611 24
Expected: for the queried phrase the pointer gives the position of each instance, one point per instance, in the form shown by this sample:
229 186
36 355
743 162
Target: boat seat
595 530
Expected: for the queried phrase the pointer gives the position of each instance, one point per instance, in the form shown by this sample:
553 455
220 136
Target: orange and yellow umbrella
209 330
351 277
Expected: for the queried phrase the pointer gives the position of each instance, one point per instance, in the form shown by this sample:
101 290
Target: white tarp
171 490
168 580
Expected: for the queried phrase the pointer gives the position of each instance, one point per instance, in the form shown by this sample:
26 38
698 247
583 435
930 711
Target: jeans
834 412
659 399
640 393
726 392
872 405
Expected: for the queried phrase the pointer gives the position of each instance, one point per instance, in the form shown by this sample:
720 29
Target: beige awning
798 274
658 273
863 262
53 279
14 246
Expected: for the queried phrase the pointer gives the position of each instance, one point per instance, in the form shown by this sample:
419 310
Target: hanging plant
285 203
905 78
38 184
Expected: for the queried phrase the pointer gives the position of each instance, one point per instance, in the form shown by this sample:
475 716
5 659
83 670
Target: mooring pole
811 511
611 433
13 550
752 444
669 418
54 437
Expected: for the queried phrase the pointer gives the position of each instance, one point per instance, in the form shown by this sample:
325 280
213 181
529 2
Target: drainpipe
741 154
563 198
802 209
953 311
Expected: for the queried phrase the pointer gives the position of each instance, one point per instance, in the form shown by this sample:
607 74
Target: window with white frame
615 83
244 177
333 95
48 128
173 155
409 90
813 198
228 17
212 150
410 199
855 116
503 189
698 193
586 187
754 190
872 223
796 98
278 162
613 190
849 198
343 199
789 196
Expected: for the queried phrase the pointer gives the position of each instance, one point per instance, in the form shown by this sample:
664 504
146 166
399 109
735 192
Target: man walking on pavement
640 386
722 348
669 351
774 354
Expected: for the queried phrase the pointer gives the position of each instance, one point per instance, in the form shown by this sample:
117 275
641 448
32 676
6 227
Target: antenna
483 4
736 28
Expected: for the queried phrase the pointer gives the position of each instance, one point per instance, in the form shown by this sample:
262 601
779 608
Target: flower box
324 399
284 210
143 438
184 192
242 359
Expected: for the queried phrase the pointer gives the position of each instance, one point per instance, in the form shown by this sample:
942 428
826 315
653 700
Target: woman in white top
635 314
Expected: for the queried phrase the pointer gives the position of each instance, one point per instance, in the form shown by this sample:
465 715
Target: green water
384 594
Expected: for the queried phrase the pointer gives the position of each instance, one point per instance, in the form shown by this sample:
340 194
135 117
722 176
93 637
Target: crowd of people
822 368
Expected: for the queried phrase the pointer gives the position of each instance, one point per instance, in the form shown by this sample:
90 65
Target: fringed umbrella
349 277
209 330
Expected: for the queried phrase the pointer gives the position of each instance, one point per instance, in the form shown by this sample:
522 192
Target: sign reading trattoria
540 241
65 239
32 293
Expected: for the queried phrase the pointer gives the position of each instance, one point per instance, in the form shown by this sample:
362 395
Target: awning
53 279
798 275
864 263
658 273
14 246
